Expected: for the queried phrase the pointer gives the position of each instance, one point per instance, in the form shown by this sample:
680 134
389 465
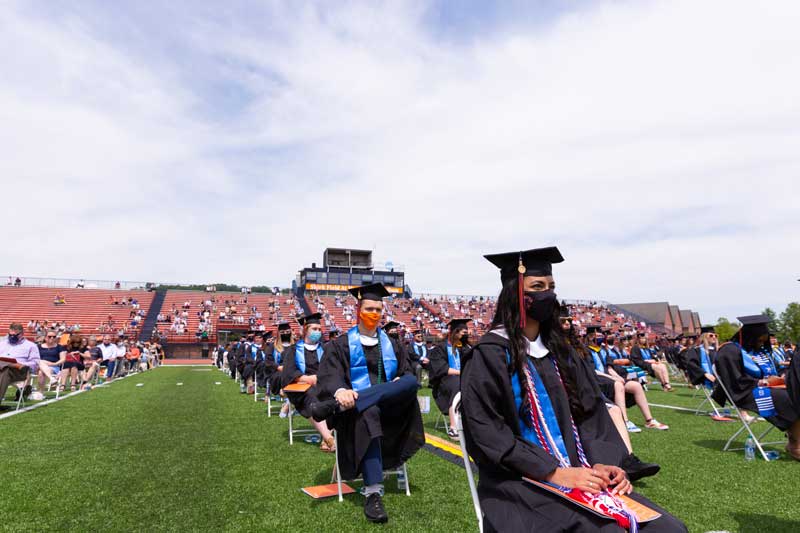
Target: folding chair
442 422
745 425
298 432
473 488
269 398
401 470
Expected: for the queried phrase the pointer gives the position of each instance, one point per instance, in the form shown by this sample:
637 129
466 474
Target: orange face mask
370 320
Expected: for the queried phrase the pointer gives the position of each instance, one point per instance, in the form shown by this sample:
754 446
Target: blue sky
654 142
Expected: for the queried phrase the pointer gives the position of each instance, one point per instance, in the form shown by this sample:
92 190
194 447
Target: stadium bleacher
88 307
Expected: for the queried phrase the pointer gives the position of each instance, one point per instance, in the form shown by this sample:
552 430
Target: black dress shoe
323 410
373 509
636 469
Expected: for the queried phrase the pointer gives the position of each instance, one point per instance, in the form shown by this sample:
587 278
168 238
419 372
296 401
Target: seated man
746 371
20 357
369 390
445 369
301 362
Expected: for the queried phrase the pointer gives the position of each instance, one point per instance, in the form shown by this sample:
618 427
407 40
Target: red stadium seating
87 307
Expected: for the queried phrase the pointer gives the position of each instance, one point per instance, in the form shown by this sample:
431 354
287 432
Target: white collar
536 348
311 346
366 340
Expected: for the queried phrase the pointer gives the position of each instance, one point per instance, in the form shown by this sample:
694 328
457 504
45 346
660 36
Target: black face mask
13 338
539 305
286 337
394 335
464 338
610 342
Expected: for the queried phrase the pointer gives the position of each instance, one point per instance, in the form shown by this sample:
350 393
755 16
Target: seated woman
643 356
531 410
274 364
369 394
625 392
445 369
700 358
300 365
73 366
252 357
747 372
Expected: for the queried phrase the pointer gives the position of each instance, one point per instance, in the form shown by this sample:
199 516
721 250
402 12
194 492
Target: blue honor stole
547 411
646 355
763 398
359 374
705 362
300 355
277 355
423 348
453 357
598 362
758 366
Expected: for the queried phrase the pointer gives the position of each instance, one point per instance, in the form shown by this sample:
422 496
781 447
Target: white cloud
654 142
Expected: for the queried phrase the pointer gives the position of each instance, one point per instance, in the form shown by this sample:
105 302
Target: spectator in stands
18 282
133 356
59 299
51 356
109 351
25 356
117 285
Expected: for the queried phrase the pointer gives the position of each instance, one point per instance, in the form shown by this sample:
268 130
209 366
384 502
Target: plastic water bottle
401 481
749 449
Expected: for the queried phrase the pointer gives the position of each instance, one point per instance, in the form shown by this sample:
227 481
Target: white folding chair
297 432
473 488
401 470
442 422
745 425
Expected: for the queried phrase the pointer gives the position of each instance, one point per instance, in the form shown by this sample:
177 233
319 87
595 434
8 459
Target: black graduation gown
271 372
402 434
638 359
740 386
503 457
694 366
444 385
301 401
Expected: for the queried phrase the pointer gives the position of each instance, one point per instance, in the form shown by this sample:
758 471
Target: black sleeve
332 374
485 386
693 366
412 355
439 363
636 357
290 370
404 365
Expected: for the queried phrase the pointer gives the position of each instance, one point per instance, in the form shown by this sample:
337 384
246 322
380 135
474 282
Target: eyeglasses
50 337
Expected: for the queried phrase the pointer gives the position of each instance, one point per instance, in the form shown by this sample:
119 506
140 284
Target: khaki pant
10 373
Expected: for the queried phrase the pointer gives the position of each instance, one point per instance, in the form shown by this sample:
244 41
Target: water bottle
749 449
401 481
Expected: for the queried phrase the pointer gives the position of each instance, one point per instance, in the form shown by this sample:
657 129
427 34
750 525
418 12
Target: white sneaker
36 396
632 428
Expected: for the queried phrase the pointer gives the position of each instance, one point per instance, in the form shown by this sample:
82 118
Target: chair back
473 489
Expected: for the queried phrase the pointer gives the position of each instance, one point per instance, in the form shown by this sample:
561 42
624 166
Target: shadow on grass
751 523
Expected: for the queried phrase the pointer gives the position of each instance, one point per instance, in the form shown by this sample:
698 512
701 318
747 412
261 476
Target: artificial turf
202 456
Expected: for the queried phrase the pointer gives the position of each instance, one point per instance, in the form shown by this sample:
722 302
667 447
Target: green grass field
201 456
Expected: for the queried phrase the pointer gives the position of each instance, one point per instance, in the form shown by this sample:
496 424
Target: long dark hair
507 316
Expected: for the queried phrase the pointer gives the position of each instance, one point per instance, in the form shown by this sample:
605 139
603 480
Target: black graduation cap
535 262
753 320
391 324
313 318
456 322
418 331
373 291
564 312
284 326
707 329
753 326
592 329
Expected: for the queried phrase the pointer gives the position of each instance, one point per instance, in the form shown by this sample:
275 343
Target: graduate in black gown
445 369
301 362
701 357
746 371
275 358
531 409
643 355
253 358
369 395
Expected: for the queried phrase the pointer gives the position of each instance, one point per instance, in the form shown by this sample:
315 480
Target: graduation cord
380 361
604 502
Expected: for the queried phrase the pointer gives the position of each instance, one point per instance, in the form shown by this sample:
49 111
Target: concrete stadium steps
87 307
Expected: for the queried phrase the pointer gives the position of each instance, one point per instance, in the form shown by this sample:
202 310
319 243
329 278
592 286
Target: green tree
775 323
790 323
725 329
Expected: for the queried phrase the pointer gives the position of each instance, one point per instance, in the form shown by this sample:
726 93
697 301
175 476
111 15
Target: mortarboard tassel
520 292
